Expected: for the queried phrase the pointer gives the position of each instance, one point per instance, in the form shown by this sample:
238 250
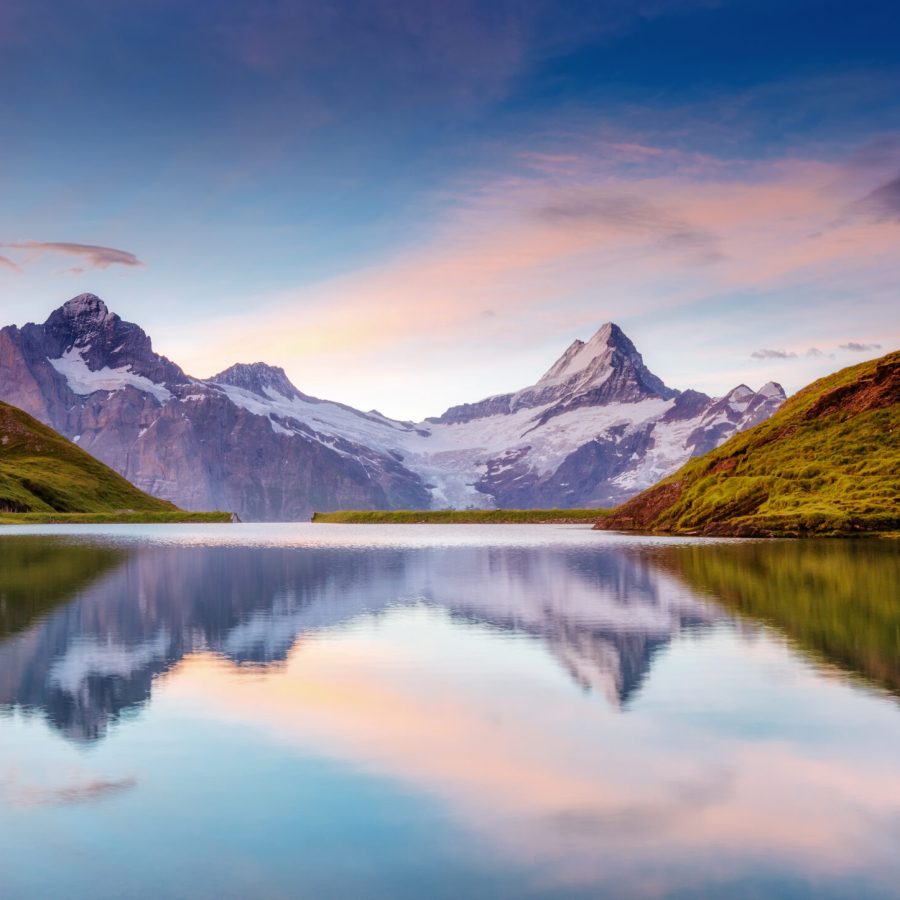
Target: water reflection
602 615
838 600
516 717
37 575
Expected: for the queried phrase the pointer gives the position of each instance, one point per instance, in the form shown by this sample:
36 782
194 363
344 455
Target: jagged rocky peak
80 320
605 369
772 389
608 356
85 306
258 378
85 328
740 394
581 356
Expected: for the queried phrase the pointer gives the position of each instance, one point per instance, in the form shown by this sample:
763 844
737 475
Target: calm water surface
408 711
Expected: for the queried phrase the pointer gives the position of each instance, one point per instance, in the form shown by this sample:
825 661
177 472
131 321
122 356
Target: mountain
594 430
827 462
41 471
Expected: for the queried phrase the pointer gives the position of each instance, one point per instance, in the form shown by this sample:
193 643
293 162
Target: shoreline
462 517
174 517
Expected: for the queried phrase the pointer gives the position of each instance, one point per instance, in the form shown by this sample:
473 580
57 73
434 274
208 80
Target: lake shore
173 517
461 517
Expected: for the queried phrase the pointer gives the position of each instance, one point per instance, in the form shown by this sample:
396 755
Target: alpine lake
454 711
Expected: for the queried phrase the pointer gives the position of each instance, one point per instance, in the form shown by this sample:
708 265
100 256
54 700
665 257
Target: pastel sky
414 203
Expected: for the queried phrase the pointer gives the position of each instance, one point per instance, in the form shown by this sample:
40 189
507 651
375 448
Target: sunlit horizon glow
409 205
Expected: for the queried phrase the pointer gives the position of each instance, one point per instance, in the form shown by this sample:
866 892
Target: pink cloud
92 255
571 240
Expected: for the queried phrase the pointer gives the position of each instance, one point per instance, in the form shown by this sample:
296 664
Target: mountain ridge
827 462
595 428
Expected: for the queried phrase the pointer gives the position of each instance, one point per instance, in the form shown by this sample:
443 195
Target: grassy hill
828 462
45 477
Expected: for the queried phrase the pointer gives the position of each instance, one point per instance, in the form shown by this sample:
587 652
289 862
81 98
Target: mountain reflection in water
601 614
451 711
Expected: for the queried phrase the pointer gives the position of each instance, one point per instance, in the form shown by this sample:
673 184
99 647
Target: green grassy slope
828 462
835 600
44 477
461 516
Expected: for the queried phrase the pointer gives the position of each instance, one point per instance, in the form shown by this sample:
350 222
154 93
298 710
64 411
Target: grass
461 516
46 478
812 468
123 517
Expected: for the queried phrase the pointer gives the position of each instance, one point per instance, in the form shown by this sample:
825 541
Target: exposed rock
594 430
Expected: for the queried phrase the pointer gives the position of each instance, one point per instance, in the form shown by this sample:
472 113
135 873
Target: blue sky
409 204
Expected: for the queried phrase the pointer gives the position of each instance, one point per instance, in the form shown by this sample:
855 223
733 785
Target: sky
409 203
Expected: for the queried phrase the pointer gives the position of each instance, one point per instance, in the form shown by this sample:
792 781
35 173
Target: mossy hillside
44 477
43 472
125 517
461 516
827 462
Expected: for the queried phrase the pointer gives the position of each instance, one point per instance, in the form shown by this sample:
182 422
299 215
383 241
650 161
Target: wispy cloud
629 212
856 347
412 51
882 203
811 353
7 263
92 256
558 242
767 353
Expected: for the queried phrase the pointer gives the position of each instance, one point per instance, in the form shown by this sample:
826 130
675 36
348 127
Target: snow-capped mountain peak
94 350
595 429
772 389
258 378
593 355
740 394
606 369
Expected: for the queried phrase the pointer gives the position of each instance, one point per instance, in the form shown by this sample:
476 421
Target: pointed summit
85 329
594 354
606 369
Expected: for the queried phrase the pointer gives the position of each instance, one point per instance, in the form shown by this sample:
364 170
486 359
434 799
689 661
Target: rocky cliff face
96 379
594 430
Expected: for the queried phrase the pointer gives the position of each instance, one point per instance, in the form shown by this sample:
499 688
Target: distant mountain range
596 429
828 462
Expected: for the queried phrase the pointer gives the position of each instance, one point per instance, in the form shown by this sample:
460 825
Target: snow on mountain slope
596 428
458 457
83 380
